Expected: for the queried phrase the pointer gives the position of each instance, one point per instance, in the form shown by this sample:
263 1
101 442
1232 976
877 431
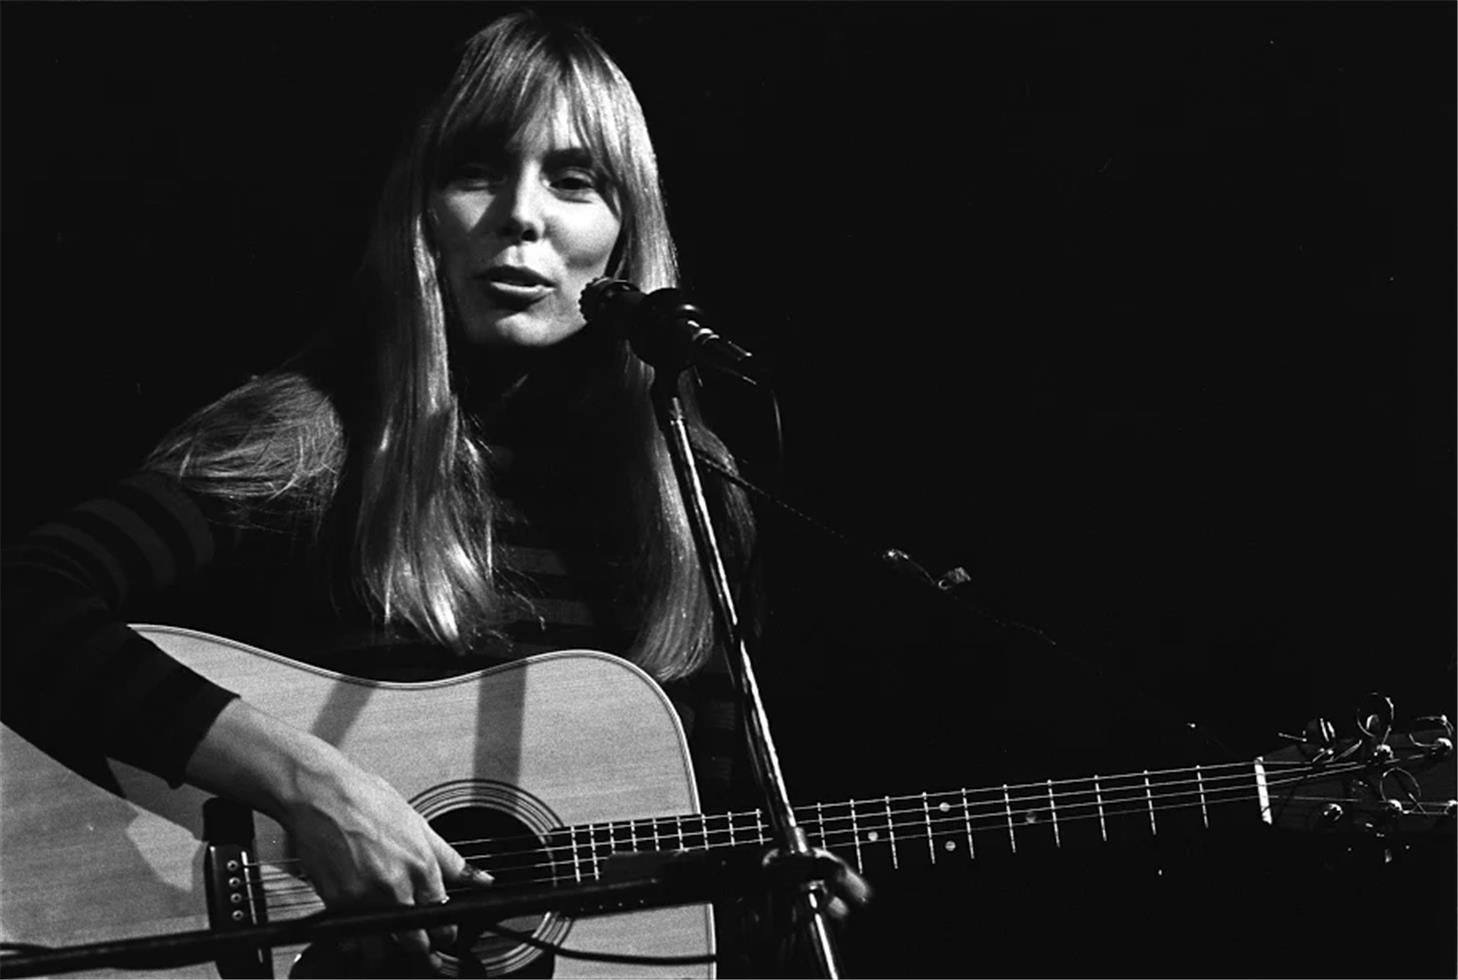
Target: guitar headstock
1385 779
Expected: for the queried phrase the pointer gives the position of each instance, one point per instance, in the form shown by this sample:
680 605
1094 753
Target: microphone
665 329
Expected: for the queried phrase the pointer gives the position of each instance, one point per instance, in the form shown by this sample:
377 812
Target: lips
514 287
514 275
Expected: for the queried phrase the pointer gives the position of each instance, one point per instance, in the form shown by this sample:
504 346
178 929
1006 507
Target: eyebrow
570 156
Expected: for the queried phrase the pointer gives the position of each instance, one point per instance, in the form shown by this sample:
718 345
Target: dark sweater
82 686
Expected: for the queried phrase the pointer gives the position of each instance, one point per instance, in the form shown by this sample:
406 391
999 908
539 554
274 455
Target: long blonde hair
390 468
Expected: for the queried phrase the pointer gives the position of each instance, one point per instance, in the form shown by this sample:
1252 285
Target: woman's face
521 233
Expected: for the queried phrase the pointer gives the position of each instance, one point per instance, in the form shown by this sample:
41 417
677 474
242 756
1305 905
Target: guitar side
570 738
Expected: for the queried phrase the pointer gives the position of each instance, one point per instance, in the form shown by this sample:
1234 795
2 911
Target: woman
456 475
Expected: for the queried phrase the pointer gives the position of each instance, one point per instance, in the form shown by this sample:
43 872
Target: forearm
359 840
252 757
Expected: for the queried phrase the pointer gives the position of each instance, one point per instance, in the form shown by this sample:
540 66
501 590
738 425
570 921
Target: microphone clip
666 330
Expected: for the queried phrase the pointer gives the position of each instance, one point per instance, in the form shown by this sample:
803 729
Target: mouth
515 287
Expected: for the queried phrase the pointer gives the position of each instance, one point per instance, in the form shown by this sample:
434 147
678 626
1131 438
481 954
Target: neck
530 393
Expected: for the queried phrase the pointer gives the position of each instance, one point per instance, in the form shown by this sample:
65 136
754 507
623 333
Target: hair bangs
518 78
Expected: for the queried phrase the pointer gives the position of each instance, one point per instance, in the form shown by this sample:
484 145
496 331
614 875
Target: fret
931 844
743 828
1241 796
891 834
759 829
678 826
612 838
1128 808
592 850
1099 794
967 821
576 857
1204 812
1012 837
948 827
719 837
1029 817
820 819
986 813
875 833
1076 813
653 824
633 836
1149 798
558 846
1053 815
856 835
697 836
1180 803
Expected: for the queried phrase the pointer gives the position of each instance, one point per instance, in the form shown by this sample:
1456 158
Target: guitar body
559 739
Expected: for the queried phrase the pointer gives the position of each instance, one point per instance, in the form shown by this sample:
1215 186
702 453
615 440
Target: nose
520 203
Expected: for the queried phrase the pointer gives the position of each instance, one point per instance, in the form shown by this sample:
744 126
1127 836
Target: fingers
845 889
473 876
455 871
855 889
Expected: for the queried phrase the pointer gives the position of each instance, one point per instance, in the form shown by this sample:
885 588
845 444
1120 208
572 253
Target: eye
577 181
477 175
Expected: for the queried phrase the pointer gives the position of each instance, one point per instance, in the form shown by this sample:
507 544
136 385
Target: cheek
450 230
594 242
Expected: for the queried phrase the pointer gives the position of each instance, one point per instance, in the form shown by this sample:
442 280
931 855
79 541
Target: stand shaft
810 898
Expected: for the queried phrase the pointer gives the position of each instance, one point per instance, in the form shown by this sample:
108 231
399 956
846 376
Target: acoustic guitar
539 770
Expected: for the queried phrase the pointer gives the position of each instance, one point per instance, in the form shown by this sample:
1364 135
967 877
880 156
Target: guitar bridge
231 880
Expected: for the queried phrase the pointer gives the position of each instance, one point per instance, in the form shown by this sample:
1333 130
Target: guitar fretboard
959 825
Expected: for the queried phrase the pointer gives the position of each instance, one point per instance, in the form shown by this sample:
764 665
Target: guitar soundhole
488 824
515 855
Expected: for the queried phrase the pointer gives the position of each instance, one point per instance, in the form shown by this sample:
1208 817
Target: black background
1143 314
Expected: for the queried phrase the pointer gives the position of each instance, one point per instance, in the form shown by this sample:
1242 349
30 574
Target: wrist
256 759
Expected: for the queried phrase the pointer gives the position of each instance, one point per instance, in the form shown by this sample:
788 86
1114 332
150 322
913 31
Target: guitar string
305 898
995 810
993 814
954 833
659 829
1108 786
956 824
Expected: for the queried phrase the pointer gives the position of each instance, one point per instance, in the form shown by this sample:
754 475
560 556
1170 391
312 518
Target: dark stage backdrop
1142 314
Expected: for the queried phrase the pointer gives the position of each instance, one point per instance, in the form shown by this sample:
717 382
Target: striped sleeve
78 682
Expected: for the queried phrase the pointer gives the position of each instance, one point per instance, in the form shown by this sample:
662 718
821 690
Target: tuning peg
1319 731
1374 716
1332 814
953 579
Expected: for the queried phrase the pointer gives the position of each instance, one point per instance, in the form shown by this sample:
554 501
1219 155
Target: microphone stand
811 897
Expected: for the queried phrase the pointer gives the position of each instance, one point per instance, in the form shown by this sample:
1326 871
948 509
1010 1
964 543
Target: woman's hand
360 842
846 889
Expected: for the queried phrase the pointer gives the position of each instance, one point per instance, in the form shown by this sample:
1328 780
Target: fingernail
476 874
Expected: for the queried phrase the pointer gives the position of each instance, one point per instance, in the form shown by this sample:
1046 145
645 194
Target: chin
523 331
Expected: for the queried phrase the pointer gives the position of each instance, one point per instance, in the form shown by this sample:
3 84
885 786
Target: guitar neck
961 825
